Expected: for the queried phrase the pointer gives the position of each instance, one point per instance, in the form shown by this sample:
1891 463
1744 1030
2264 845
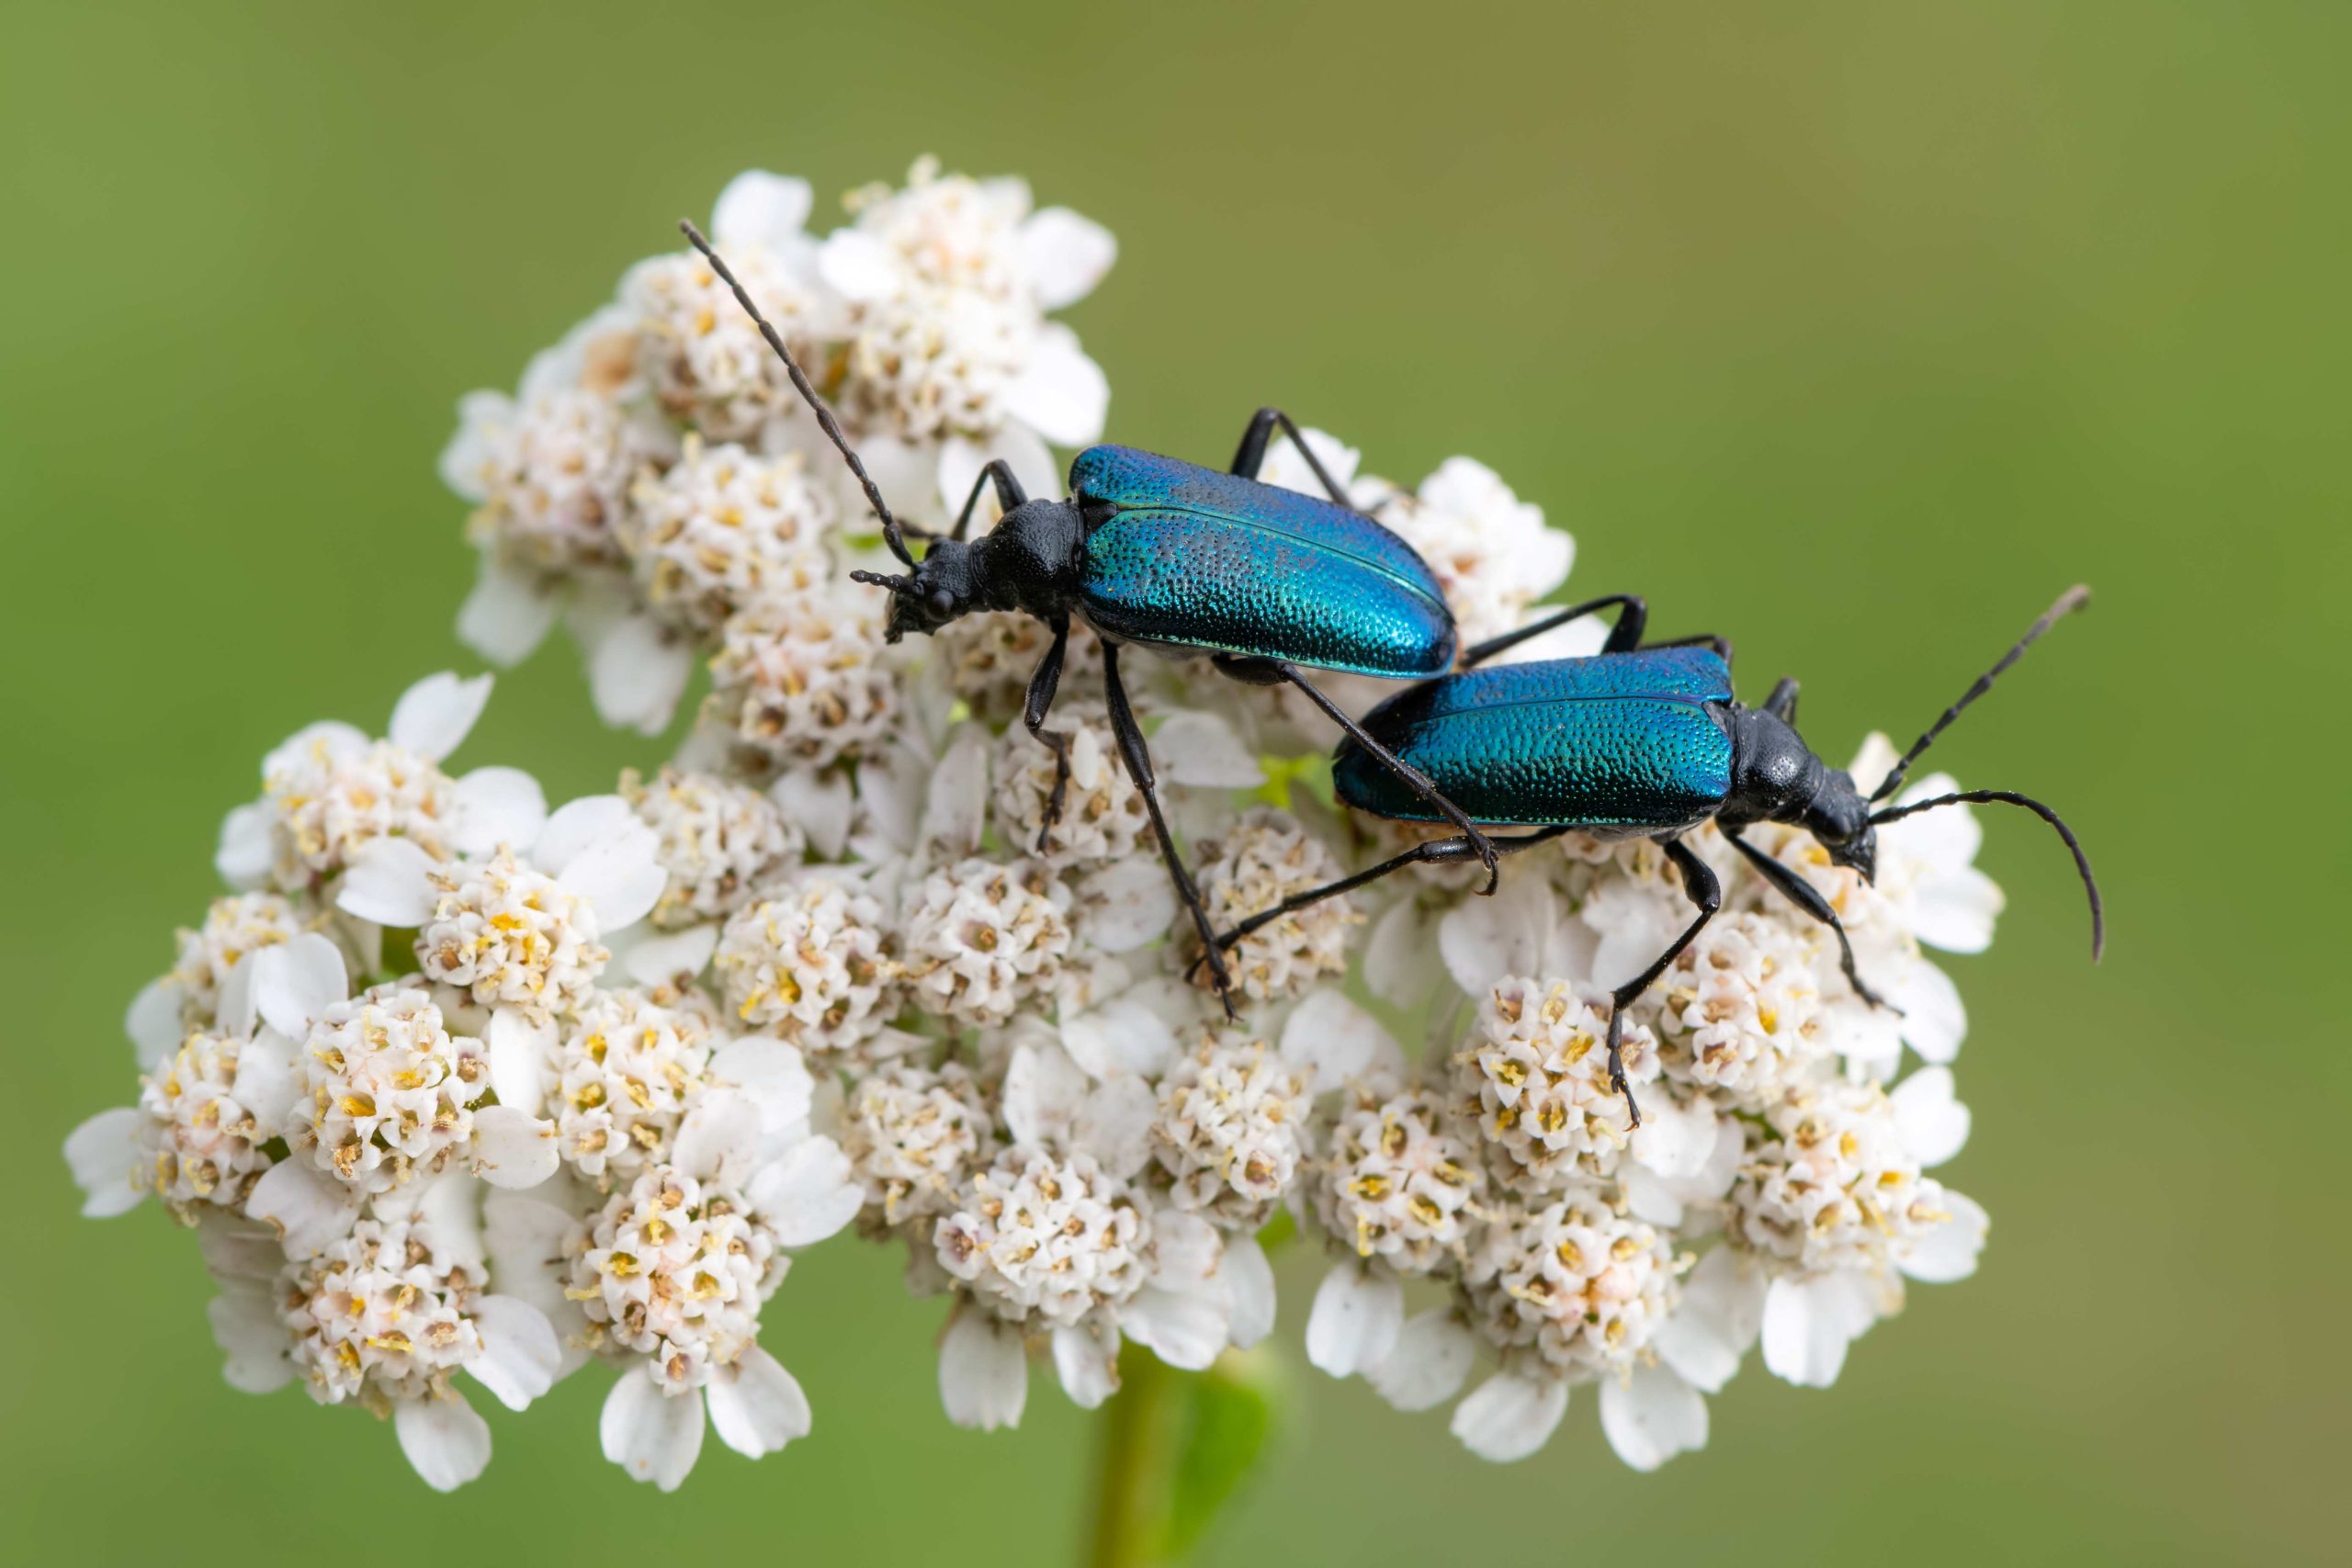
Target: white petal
1043 1092
721 1136
1248 1278
621 879
1945 839
269 1078
1509 1416
857 266
653 1435
658 958
520 1054
636 673
809 1194
498 805
508 614
1114 1123
306 1208
1675 1141
1955 911
102 1153
578 826
1434 1354
1714 1323
481 416
520 1356
1065 255
818 804
956 809
526 1241
1202 749
1086 1359
512 1148
529 1243
390 882
1124 1035
450 1202
893 787
1060 393
1949 1252
1580 638
1018 448
757 1407
1650 1415
1186 1250
1287 467
246 1326
154 1022
328 738
242 860
983 1375
761 209
1357 1317
1934 1020
239 1254
295 982
1809 1323
1335 1041
770 1073
444 1439
433 717
1933 1122
1401 961
1187 1329
1128 904
1484 939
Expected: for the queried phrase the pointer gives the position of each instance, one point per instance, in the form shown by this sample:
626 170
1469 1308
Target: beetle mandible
1180 560
1640 742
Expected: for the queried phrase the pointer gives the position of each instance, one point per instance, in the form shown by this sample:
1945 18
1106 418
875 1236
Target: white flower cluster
449 1082
519 1142
655 482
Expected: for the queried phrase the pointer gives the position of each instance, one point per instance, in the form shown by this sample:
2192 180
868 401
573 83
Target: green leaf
1228 1413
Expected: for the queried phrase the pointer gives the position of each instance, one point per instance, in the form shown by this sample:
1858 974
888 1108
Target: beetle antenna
892 534
2008 797
902 586
2074 599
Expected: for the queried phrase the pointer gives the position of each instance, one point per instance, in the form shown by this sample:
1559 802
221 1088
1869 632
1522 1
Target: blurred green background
1852 330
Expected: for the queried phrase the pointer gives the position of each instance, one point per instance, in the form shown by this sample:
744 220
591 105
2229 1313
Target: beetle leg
1043 684
1429 853
1415 780
1633 616
1138 761
1806 896
1721 646
1783 703
1251 455
1009 493
1699 884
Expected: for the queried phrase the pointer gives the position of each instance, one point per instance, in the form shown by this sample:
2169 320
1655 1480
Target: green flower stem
1133 1465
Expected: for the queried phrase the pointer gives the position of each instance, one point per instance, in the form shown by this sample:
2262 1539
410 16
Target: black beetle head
1840 821
941 589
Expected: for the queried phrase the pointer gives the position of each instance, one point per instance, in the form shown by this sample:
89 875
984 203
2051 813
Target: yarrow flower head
815 962
448 1083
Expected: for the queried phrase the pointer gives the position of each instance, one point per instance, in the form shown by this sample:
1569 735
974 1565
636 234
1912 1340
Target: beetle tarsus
1617 1084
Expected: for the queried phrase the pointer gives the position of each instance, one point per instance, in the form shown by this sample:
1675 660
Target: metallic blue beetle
1640 742
1181 559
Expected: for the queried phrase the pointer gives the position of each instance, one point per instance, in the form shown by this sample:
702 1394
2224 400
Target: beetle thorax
1033 558
1029 561
1775 777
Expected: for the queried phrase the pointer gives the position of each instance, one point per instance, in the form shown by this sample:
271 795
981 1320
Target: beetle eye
943 604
